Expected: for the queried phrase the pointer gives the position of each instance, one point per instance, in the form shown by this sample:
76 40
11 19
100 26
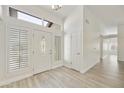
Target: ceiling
109 14
63 12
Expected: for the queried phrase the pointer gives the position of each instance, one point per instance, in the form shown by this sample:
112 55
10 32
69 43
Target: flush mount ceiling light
56 7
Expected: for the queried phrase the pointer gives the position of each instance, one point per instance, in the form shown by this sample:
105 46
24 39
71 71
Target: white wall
91 40
120 42
2 52
73 24
67 48
0 11
84 23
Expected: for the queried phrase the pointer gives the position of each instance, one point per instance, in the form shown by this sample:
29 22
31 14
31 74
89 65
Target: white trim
56 66
68 65
14 79
88 68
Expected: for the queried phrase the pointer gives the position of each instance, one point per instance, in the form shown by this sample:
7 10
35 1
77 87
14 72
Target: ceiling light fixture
56 7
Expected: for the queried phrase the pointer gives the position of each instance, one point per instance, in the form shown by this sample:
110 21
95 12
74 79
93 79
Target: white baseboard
68 65
14 79
56 66
88 68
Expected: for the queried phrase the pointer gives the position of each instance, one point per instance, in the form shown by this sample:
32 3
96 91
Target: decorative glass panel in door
43 45
57 55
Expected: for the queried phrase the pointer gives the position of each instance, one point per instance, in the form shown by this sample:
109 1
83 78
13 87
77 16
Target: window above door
29 18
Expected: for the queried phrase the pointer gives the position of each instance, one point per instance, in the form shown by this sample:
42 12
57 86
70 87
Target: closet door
18 50
76 51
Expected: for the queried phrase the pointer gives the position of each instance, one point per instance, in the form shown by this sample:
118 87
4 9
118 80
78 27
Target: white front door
42 51
76 51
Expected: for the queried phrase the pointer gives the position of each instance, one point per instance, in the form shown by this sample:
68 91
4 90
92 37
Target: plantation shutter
18 49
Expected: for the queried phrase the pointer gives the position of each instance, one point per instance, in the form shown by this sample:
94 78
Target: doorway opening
109 48
109 44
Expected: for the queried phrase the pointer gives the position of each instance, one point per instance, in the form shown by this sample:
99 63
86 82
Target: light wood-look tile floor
109 73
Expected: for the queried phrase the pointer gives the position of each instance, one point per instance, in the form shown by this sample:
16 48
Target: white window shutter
18 49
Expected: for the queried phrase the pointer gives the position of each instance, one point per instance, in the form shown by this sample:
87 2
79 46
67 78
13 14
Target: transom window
43 45
29 18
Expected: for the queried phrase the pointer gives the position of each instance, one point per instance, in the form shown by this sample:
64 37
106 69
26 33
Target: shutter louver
18 49
23 49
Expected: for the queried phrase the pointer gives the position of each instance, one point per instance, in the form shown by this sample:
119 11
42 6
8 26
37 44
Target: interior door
42 51
76 50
